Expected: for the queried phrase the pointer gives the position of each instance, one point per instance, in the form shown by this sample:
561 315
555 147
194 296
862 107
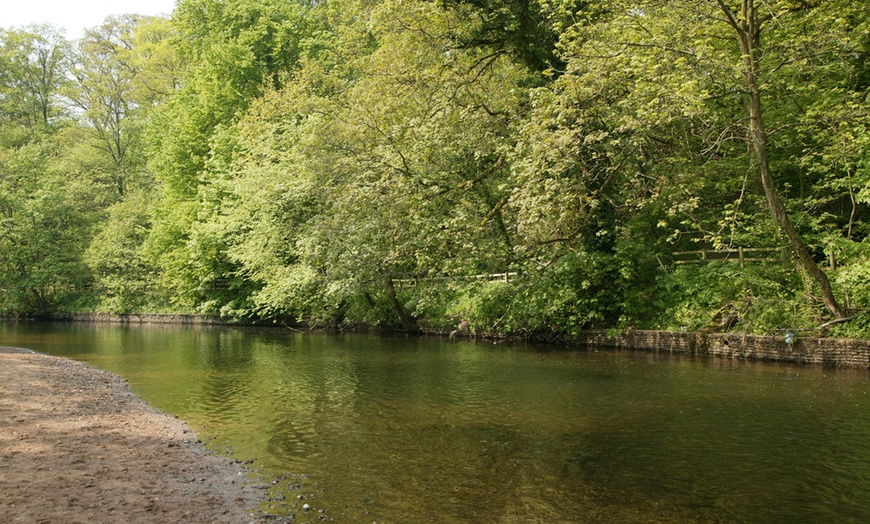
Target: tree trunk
409 323
748 35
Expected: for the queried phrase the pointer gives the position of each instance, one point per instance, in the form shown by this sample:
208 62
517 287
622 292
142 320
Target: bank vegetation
527 167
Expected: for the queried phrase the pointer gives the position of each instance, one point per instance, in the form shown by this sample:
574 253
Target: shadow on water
425 430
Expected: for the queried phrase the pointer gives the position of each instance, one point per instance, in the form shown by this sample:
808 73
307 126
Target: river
366 429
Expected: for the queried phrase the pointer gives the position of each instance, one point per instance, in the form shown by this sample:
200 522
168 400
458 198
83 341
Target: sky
75 15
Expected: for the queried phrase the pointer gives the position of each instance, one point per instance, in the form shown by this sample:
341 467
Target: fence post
740 253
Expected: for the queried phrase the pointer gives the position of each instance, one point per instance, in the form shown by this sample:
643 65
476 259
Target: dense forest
524 167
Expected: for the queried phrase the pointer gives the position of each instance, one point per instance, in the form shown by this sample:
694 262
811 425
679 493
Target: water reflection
424 430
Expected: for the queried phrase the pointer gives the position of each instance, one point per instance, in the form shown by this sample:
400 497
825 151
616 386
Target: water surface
404 430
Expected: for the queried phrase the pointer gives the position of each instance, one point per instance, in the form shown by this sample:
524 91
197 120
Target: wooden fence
741 255
492 277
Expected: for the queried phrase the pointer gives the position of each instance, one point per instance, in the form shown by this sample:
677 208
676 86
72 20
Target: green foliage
124 277
370 162
48 209
522 28
485 306
233 50
573 295
50 197
109 94
762 297
34 63
858 327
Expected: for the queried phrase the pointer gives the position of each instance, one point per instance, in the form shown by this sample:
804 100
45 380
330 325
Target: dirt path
76 446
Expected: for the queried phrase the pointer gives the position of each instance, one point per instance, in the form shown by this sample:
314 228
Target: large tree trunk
748 34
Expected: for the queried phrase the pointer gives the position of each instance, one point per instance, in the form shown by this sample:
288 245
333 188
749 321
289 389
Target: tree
232 51
657 94
48 207
385 165
124 70
41 227
748 24
33 67
106 73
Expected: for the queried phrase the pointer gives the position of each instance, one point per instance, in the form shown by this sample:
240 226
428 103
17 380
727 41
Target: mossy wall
826 351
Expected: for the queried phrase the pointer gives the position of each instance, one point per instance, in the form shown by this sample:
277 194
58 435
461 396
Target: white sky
75 15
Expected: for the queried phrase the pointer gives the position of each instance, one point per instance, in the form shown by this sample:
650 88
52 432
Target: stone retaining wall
827 351
148 318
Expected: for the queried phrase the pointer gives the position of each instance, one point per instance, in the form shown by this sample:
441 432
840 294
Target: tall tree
232 50
40 235
388 164
34 62
748 19
106 93
124 69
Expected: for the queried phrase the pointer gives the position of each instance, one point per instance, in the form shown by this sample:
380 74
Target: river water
406 430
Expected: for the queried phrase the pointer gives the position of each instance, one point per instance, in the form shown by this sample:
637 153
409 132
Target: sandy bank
76 446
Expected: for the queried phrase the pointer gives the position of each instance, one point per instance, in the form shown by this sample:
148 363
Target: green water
403 430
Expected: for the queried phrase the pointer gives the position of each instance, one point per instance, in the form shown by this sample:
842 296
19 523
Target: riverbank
854 353
839 352
77 446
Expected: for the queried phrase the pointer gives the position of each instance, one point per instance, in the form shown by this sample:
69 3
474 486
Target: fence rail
492 277
741 255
